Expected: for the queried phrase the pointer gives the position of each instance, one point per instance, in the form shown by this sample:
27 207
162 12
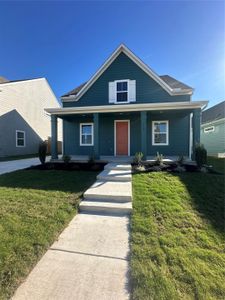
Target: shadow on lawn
63 181
208 197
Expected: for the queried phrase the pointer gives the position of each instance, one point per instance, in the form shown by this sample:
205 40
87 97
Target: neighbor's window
209 129
86 134
20 138
160 133
122 91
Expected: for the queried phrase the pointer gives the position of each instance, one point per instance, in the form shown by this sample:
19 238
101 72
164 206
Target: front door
121 137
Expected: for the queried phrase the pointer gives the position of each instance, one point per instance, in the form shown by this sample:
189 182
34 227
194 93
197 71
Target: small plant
42 151
138 158
180 160
200 155
159 159
66 159
91 159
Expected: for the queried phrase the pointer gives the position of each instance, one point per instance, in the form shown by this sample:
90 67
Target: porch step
118 166
115 175
109 191
105 207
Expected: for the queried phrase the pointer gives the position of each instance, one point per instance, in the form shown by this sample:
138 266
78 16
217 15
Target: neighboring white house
23 121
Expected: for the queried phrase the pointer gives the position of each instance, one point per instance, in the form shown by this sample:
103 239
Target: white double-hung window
122 91
20 138
160 133
86 134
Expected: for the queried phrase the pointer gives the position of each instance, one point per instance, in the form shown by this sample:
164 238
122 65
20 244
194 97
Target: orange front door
121 137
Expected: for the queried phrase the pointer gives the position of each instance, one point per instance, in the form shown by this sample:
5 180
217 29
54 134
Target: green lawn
35 206
178 238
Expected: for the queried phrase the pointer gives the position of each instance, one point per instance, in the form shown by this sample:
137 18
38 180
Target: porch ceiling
127 108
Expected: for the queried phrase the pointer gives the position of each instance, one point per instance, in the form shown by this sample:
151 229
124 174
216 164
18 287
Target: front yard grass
35 206
178 239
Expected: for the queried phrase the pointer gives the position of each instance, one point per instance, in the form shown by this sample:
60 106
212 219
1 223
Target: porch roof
127 108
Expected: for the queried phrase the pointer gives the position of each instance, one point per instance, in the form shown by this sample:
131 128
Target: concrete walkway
90 260
14 165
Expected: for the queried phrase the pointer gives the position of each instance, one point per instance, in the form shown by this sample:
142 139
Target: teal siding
214 142
178 133
147 90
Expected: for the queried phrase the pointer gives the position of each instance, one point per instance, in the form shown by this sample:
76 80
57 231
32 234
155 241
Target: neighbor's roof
172 82
214 113
3 80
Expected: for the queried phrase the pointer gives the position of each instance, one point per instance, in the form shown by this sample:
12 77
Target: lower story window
20 138
86 134
160 133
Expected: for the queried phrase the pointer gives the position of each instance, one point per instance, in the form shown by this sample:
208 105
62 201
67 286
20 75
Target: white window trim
24 139
167 133
116 121
128 99
212 129
92 133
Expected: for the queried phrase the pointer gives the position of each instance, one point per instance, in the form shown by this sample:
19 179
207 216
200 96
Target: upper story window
20 138
86 134
160 133
122 91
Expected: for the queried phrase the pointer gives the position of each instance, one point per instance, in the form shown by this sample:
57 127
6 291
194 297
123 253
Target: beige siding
30 98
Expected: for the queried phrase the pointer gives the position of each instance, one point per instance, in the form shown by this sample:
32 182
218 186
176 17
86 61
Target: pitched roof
3 79
18 80
214 113
123 49
172 82
74 91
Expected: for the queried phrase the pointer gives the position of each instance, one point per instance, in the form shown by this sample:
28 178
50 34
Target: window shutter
112 93
132 90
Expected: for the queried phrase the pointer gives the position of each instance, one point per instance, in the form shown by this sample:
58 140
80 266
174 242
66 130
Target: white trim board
127 107
128 122
137 61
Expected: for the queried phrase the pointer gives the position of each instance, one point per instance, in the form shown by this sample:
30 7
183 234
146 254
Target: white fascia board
126 108
214 122
136 60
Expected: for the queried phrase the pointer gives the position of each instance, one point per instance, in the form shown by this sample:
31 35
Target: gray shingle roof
75 91
3 79
214 113
172 82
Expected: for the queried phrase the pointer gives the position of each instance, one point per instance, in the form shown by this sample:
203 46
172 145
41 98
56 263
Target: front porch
179 131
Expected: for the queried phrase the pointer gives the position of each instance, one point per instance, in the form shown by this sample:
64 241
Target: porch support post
196 123
96 135
54 142
144 134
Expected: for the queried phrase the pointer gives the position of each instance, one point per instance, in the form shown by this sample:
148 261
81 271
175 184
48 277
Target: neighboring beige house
23 121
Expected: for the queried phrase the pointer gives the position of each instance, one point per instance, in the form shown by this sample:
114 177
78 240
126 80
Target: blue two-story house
127 108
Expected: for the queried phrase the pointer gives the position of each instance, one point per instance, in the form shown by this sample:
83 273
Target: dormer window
122 91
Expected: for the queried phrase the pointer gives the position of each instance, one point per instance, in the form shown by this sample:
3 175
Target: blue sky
66 42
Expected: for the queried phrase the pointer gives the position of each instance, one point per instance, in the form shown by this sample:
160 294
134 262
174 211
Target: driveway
13 165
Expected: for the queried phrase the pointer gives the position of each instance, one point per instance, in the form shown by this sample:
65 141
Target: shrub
42 151
138 158
66 159
159 159
200 155
180 160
